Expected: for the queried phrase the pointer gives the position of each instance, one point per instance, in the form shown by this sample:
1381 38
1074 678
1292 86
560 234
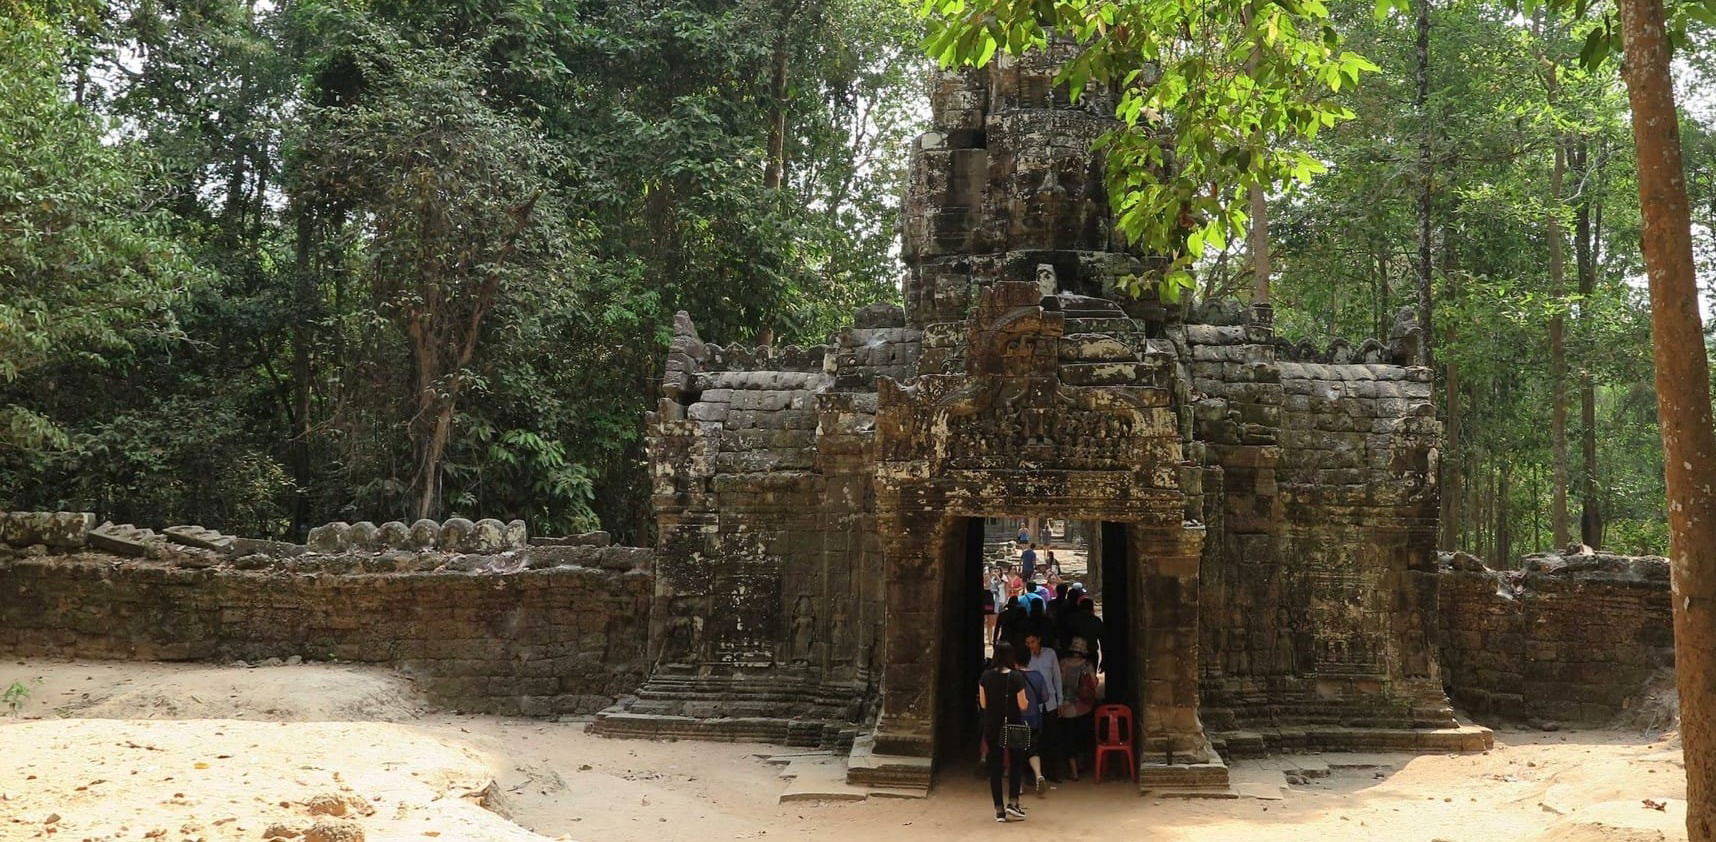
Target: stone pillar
1093 560
1165 641
911 634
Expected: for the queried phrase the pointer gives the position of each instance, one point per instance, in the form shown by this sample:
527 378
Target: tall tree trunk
1451 479
1421 106
1257 242
1504 529
1683 398
1557 349
774 169
1257 236
1585 266
304 298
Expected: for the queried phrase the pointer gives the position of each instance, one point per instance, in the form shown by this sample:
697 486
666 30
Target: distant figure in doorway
1002 699
1024 536
990 606
1013 621
1058 610
1028 562
1078 686
1036 611
994 596
1084 623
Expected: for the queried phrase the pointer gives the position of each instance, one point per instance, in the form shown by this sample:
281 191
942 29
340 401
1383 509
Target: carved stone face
1047 282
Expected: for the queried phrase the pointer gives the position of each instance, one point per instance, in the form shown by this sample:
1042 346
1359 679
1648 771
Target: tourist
1011 625
1053 566
1028 562
1036 611
1002 699
1086 624
1044 662
994 596
1078 688
987 598
1015 583
1036 697
1024 536
1059 608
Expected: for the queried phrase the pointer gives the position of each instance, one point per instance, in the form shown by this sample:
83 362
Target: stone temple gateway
1267 511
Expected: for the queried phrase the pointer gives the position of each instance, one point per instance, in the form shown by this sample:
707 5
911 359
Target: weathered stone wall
562 630
1572 638
1319 582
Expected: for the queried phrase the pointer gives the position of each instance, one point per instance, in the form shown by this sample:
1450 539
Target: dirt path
121 751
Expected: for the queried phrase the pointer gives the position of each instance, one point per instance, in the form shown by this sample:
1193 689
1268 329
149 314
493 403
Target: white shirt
1049 664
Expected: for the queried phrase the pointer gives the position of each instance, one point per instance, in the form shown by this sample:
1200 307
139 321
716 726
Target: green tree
458 208
1213 100
87 266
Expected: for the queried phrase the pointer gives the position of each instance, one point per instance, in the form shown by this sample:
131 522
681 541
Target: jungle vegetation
272 264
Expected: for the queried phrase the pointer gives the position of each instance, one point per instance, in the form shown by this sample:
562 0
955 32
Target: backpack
1036 690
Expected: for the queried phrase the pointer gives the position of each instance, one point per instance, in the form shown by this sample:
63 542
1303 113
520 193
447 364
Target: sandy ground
105 751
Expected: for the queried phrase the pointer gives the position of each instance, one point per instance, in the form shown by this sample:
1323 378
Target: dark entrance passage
974 547
963 654
1117 601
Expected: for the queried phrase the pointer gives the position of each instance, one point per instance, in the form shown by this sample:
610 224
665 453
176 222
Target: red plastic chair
1114 735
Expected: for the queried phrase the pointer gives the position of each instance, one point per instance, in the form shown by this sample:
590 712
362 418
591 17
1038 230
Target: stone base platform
735 709
822 776
866 768
1321 738
1184 780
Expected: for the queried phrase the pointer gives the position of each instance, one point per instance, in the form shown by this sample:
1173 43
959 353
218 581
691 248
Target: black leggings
1015 770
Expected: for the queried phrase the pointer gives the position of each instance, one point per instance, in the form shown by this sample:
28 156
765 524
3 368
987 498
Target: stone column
1165 641
911 636
1093 560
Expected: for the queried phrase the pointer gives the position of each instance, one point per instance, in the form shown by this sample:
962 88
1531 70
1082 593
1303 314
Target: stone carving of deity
803 631
684 631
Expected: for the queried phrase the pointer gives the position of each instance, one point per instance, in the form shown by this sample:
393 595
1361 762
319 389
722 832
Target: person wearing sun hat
1078 700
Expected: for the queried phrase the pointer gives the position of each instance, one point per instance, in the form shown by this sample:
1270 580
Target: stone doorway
1011 435
971 545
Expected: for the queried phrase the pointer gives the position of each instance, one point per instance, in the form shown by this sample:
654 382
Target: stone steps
866 768
1465 738
789 732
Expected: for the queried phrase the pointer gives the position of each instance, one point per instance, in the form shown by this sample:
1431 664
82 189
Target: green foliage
274 133
1346 264
17 694
1214 98
86 268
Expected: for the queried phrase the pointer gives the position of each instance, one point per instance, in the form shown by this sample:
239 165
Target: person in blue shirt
1028 562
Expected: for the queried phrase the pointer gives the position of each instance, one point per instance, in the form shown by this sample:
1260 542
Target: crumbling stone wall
1572 638
534 631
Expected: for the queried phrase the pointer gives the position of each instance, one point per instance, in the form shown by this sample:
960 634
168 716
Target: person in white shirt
1042 659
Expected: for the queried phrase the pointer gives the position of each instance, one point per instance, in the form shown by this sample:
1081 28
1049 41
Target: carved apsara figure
684 633
803 631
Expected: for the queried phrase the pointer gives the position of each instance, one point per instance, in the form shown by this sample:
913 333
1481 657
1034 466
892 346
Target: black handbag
1016 736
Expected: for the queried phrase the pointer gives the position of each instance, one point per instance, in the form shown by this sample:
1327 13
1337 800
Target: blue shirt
1028 564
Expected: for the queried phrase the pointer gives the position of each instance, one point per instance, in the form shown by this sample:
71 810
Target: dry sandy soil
104 751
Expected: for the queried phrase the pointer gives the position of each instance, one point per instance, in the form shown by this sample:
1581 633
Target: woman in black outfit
1001 696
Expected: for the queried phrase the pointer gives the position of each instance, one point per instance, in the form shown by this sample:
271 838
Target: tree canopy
271 265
